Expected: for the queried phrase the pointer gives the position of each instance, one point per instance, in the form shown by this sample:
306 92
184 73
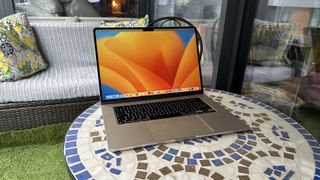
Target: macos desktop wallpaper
144 62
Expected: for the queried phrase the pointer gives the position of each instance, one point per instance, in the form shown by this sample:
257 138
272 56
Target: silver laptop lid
144 63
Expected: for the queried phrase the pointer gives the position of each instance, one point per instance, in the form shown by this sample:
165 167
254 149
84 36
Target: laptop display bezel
148 97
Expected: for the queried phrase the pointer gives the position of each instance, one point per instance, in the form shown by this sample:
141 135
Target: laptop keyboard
160 110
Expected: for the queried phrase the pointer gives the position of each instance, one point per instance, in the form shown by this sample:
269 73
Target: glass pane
283 67
204 15
80 8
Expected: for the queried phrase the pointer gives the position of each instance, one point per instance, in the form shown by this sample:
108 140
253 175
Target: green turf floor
34 154
309 118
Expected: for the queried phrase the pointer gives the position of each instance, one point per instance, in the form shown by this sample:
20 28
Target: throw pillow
270 40
142 22
51 6
80 8
19 56
32 10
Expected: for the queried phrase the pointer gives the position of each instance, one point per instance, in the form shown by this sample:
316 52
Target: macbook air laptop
151 89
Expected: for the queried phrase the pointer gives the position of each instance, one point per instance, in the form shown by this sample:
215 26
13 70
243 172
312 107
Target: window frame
233 44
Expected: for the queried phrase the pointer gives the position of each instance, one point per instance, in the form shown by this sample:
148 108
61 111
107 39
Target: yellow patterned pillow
270 40
142 22
19 56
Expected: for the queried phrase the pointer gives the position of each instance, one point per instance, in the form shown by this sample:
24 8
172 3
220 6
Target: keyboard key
160 110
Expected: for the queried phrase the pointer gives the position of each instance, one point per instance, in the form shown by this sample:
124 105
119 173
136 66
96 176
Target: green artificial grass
309 118
34 154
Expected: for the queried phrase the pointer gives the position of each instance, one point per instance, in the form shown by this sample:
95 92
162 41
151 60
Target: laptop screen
147 62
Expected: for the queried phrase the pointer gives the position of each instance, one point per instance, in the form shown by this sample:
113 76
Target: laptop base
170 129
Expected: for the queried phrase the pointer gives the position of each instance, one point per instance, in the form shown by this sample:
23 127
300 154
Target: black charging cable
179 21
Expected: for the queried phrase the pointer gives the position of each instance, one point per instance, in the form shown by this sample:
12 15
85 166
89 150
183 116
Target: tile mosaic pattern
276 148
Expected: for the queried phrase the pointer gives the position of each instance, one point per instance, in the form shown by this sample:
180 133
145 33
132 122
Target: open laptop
151 89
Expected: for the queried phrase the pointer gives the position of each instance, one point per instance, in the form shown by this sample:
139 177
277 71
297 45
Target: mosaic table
276 148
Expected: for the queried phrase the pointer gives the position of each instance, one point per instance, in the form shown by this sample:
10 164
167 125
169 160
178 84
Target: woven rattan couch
61 92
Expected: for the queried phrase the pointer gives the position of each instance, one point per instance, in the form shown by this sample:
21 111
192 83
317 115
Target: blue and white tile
303 165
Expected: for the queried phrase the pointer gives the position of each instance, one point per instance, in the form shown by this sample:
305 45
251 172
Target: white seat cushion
68 47
54 83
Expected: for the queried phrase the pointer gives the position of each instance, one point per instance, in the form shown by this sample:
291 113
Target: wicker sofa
61 92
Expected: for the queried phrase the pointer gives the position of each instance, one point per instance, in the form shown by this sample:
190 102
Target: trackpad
177 128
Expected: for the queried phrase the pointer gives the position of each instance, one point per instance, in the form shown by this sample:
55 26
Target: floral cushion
19 56
270 40
142 22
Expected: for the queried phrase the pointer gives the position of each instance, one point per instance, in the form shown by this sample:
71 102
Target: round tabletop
276 148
